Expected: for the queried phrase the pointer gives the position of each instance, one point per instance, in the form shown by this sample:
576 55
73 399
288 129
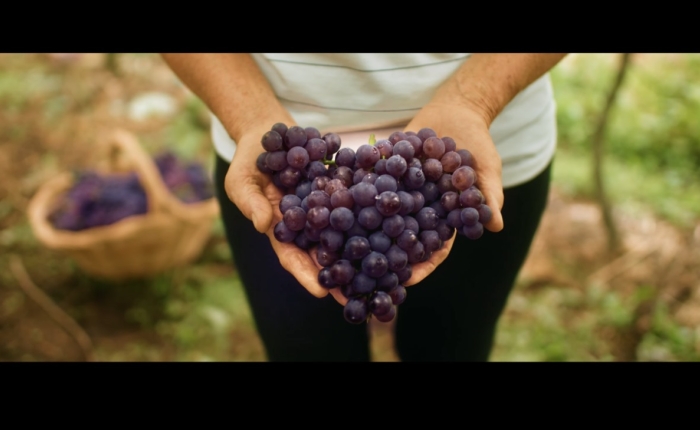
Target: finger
338 296
422 270
245 191
299 264
494 200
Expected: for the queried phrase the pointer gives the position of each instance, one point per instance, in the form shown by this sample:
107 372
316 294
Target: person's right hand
257 197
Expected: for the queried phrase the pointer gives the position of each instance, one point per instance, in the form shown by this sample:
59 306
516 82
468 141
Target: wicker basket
170 234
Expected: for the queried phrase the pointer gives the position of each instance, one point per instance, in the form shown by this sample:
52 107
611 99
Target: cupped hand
470 131
257 197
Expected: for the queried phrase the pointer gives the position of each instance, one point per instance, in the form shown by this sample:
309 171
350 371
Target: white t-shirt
356 95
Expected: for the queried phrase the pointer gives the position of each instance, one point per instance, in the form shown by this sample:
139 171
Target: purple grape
485 214
375 264
430 240
289 201
414 178
326 257
396 258
316 148
325 278
289 177
385 148
272 141
407 240
404 149
405 274
407 203
356 230
398 294
473 232
393 226
417 145
367 155
450 144
425 133
333 186
318 217
303 241
380 167
370 218
467 157
276 160
333 142
469 216
463 178
342 219
331 239
295 136
345 157
262 164
379 242
356 248
364 194
397 136
342 198
313 233
432 169
396 166
370 178
416 253
411 223
295 218
386 183
427 218
344 174
451 161
305 203
319 198
342 272
297 157
356 311
280 128
359 174
283 233
388 203
362 284
388 281
319 183
444 230
380 303
349 292
434 147
449 201
444 184
454 218
312 133
430 192
471 198
387 317
303 189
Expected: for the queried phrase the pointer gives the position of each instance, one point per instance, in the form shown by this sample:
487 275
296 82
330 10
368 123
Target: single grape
430 192
388 203
345 157
471 198
317 148
272 141
407 203
463 178
276 160
444 230
342 272
375 264
297 157
356 311
407 240
364 194
356 248
344 174
303 189
359 174
398 294
342 219
325 278
386 183
397 136
363 284
380 167
318 217
393 226
319 183
319 198
450 144
333 142
411 223
289 201
396 258
451 161
434 147
262 164
427 218
473 232
331 239
469 216
425 133
303 241
385 148
467 157
416 253
283 233
313 233
295 218
432 169
414 178
404 149
417 145
333 186
342 198
444 184
379 242
449 201
289 177
437 206
370 178
367 155
380 303
405 274
388 281
430 240
396 166
325 257
387 317
280 128
370 218
295 137
312 133
485 214
454 218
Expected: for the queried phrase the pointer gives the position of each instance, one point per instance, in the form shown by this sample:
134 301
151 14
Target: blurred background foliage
573 300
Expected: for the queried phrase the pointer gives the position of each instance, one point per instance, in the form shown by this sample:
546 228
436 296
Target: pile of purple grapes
371 214
97 200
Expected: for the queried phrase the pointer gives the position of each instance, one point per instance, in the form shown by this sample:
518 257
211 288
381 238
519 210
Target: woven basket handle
120 142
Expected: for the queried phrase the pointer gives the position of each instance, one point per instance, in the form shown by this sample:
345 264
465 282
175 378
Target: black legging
449 316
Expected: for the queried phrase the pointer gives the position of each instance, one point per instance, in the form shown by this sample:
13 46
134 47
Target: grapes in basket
97 200
370 214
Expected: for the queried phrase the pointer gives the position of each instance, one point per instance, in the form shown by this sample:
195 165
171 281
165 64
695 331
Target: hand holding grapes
258 199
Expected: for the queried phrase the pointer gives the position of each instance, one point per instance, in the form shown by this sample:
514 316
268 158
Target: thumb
251 201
